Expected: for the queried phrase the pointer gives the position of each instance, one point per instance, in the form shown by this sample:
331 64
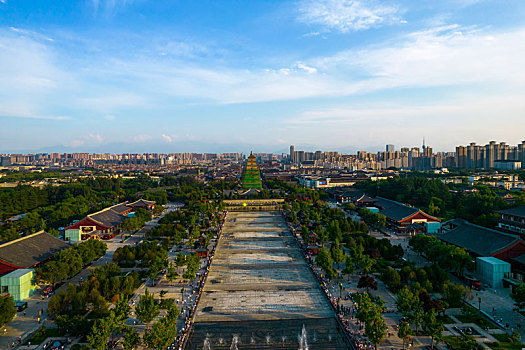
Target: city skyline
346 75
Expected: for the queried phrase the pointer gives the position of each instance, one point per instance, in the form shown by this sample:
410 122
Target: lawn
477 319
505 346
42 334
445 319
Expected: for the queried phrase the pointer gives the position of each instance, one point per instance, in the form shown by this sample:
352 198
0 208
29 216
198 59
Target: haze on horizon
227 76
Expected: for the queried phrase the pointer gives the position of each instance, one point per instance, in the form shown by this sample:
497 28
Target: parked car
21 305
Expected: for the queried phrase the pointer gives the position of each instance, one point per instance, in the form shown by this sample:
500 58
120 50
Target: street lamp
479 303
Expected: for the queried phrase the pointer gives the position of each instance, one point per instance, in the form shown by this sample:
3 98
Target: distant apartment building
493 155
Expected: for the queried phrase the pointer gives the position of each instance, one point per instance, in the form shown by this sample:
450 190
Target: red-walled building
105 223
480 241
402 216
29 251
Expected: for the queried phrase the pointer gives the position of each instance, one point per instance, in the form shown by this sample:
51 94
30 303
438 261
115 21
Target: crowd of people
196 286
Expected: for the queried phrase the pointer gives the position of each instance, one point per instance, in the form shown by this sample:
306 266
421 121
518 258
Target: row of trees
104 328
431 278
69 262
369 312
151 254
419 310
450 257
51 207
373 219
69 307
137 221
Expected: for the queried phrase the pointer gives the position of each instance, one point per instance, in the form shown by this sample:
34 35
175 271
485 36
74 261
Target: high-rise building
461 157
390 148
491 154
292 148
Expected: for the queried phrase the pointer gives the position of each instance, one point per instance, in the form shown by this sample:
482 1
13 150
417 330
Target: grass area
502 337
79 347
445 319
477 319
505 346
42 334
457 343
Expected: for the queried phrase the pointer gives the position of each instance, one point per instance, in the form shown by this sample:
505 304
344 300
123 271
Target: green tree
131 338
519 295
147 309
172 273
101 331
375 329
454 293
404 332
164 331
406 301
417 315
324 260
349 266
337 253
432 326
7 310
366 264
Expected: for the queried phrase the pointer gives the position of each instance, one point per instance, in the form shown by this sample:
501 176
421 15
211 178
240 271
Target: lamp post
479 303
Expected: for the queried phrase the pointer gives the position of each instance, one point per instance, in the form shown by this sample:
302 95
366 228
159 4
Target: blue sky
218 76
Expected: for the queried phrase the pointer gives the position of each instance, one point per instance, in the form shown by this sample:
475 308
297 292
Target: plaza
260 293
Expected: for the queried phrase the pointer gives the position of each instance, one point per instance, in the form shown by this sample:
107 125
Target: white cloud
87 140
21 109
306 68
107 7
346 15
463 120
142 138
443 56
3 1
311 34
167 138
109 117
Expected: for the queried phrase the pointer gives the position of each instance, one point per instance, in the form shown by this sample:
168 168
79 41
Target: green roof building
251 177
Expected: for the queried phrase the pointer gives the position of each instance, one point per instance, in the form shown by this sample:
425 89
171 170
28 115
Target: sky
234 75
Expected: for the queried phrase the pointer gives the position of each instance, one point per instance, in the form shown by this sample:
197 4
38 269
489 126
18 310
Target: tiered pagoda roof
251 178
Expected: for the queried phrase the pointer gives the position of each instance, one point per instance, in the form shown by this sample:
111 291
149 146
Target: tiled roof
478 239
517 211
394 210
121 207
28 251
108 217
141 203
520 259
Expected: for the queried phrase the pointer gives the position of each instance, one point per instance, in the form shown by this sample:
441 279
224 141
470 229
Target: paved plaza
260 293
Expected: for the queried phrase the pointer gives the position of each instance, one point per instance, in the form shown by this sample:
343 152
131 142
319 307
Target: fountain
283 339
252 340
220 340
303 344
207 344
268 339
235 341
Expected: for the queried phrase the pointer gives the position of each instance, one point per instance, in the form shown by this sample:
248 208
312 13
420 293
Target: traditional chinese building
251 177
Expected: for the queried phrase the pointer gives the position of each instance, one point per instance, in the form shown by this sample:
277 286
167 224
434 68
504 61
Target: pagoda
251 178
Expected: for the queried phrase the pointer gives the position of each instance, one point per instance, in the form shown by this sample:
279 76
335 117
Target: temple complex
251 177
